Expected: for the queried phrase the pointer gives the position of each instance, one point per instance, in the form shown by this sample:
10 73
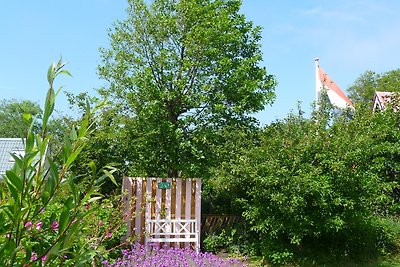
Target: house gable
382 100
10 146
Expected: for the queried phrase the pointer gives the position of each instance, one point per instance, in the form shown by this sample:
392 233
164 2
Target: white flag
336 96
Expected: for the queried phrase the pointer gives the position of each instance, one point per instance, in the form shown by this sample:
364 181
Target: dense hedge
318 184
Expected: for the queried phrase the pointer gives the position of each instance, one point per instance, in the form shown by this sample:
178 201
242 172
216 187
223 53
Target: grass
388 261
393 261
385 262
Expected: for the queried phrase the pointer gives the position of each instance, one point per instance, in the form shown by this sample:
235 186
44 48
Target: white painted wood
148 207
129 184
183 231
158 200
138 205
178 203
127 200
198 212
168 204
188 202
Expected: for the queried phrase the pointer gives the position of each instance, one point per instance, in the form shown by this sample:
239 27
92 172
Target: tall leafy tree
177 70
12 124
363 89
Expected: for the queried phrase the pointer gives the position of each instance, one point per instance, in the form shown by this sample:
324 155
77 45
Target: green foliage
229 144
216 242
178 70
318 184
42 211
363 89
15 116
106 223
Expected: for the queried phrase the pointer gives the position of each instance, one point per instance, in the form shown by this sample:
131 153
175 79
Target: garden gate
164 210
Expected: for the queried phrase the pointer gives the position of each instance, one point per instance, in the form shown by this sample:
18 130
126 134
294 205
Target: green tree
363 89
318 185
12 124
178 70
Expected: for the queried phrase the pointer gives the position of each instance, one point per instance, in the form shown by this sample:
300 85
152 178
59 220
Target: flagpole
317 82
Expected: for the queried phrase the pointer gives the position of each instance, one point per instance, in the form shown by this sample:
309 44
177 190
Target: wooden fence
166 210
211 223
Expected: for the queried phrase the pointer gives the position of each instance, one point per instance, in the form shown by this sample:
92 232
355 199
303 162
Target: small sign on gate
164 185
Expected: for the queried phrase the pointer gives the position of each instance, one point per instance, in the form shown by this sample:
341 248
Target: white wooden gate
163 210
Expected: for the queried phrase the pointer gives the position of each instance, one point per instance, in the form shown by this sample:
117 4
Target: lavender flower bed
152 256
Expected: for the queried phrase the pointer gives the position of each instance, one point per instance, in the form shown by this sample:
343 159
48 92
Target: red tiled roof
381 99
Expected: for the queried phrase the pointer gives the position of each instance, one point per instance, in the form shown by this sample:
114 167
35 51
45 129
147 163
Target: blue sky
349 37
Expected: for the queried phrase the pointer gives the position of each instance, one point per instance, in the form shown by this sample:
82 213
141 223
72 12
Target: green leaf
51 73
84 126
50 186
27 117
69 238
110 175
69 203
54 250
17 160
48 107
74 191
93 199
53 217
65 72
9 247
52 178
15 180
72 134
64 220
30 142
15 194
72 157
45 197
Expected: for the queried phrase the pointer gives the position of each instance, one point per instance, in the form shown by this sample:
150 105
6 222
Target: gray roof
8 146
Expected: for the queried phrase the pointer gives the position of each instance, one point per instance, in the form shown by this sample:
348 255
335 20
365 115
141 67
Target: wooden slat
215 223
149 191
126 199
198 212
178 203
168 204
188 203
138 206
158 201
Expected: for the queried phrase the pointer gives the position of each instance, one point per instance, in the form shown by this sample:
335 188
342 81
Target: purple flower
44 258
39 225
33 256
28 225
55 225
108 234
153 255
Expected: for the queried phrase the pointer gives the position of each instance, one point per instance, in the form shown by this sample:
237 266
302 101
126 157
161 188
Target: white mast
317 81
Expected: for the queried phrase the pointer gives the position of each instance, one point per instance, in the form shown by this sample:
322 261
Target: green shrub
43 213
226 240
319 185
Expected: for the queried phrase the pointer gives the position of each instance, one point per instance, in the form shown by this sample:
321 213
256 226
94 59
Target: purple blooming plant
153 256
